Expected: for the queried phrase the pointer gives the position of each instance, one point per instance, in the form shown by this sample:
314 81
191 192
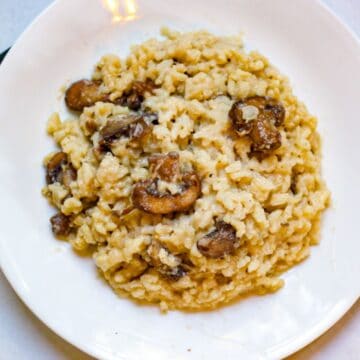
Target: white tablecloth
23 336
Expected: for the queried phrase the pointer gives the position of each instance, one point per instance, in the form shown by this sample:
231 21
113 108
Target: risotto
189 170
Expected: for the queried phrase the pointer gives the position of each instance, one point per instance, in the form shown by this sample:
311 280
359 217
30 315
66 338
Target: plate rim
290 348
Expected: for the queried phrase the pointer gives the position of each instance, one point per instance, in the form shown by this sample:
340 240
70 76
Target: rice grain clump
191 171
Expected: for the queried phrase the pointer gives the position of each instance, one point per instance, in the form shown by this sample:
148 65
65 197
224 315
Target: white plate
322 59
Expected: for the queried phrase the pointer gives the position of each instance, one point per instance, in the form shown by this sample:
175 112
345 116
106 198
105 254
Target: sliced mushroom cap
220 242
146 196
133 126
58 169
157 260
135 96
275 111
244 110
84 93
166 167
242 124
118 125
265 136
60 224
134 101
54 167
258 117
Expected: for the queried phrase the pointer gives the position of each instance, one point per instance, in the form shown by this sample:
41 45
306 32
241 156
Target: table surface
23 336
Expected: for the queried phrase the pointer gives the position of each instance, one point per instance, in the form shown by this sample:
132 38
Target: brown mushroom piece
60 224
219 242
84 93
134 126
258 117
166 167
136 95
60 170
265 136
173 273
148 198
134 101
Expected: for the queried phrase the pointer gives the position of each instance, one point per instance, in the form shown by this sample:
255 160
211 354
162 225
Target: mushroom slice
164 262
133 126
134 101
166 167
146 196
219 242
274 110
58 169
258 117
242 117
60 224
84 93
247 109
135 96
54 167
265 136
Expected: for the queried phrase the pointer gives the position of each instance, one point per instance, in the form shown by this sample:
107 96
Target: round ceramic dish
307 43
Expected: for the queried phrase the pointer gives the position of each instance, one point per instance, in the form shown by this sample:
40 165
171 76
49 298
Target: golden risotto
189 169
